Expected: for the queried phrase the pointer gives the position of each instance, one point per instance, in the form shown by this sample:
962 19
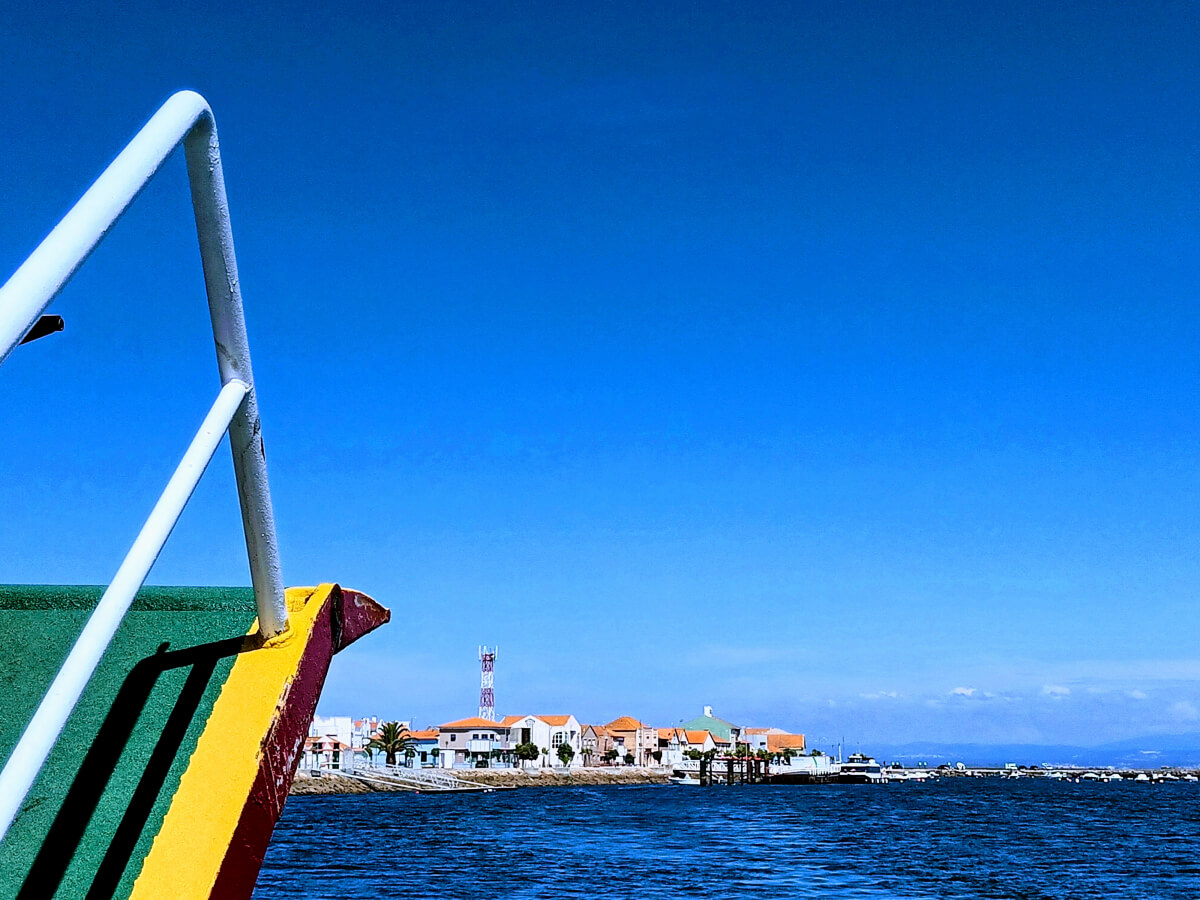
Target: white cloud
1136 695
962 692
881 695
1184 711
1057 691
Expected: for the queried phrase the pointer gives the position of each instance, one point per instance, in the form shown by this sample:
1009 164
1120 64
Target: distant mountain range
1144 752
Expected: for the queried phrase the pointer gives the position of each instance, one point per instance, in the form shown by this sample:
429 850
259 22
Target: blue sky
834 365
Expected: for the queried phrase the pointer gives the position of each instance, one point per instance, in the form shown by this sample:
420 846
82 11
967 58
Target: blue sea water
957 838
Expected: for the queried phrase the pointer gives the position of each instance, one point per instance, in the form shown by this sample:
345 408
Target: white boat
686 772
861 769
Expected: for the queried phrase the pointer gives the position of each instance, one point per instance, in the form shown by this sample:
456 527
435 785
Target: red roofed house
425 747
596 742
777 743
631 736
326 752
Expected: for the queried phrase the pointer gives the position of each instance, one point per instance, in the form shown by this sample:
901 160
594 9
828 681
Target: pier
734 770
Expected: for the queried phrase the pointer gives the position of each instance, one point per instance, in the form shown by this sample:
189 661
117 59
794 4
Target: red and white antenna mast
487 695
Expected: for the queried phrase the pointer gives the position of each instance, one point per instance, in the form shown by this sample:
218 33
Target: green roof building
719 728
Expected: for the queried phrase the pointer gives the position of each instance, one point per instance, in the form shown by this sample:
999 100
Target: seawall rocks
505 778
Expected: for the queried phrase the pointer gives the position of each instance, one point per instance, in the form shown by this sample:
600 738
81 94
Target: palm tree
392 739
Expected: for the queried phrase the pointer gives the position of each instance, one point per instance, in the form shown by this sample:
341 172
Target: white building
759 738
326 752
471 743
548 733
353 734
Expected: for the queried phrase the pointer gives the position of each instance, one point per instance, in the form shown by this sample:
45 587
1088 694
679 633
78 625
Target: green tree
629 759
657 754
610 756
693 753
392 739
527 752
566 753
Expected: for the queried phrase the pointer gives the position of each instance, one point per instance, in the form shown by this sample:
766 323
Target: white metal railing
429 778
185 118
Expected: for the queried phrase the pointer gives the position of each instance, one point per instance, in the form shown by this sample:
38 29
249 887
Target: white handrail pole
47 723
39 279
233 358
184 117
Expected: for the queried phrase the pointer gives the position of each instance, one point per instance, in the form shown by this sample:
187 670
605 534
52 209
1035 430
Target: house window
453 738
556 740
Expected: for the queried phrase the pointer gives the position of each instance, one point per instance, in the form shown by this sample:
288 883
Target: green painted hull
89 820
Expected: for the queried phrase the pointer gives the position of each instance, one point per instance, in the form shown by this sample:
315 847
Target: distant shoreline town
344 754
343 743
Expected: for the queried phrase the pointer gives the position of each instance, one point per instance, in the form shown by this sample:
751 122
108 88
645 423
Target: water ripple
959 839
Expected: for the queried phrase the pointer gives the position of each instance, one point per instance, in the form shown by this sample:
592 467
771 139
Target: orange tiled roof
549 720
596 729
473 722
778 742
334 743
624 723
427 735
697 737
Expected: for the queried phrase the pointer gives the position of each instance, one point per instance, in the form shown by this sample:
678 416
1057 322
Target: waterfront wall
507 778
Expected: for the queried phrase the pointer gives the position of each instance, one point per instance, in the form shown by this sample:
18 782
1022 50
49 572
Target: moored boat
861 769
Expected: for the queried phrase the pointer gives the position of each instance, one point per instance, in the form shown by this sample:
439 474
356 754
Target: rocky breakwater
563 777
305 783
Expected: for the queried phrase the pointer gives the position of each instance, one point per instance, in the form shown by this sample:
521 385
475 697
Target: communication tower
487 695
